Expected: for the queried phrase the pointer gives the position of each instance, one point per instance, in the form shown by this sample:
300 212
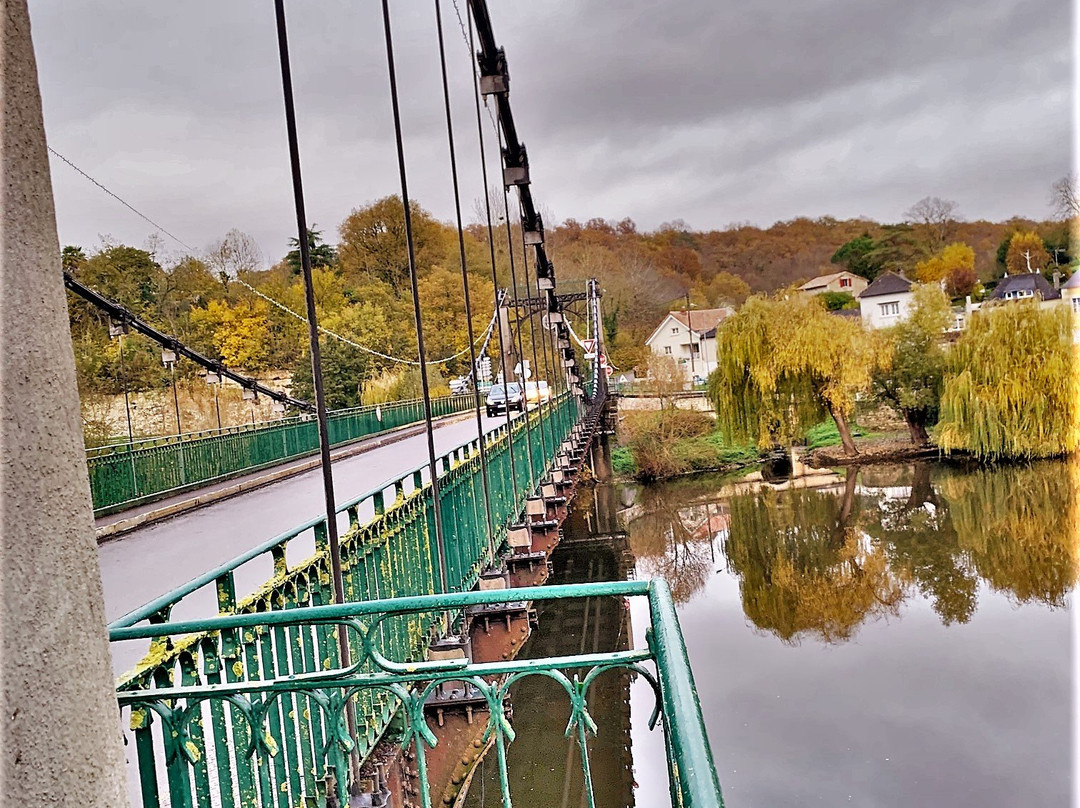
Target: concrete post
60 733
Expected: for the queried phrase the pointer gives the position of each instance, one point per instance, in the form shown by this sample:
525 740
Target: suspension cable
401 361
521 350
543 350
491 249
399 142
465 281
316 359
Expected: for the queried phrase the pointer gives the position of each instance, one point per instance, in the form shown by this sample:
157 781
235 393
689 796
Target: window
845 283
890 309
667 349
1018 293
1076 305
675 330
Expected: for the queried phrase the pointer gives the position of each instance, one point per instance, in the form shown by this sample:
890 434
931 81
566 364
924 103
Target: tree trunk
918 433
844 430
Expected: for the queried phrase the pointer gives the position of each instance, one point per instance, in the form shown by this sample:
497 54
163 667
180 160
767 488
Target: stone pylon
60 732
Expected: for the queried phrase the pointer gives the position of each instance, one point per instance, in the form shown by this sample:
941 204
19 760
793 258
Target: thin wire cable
491 249
142 216
465 280
276 303
414 282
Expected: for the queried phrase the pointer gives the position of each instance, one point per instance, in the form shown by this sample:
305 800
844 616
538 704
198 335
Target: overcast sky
709 112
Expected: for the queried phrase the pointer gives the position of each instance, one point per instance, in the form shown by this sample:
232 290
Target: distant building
1070 296
694 349
886 301
835 282
1024 286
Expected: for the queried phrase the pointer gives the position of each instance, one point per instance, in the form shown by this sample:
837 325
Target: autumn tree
910 363
1011 388
957 258
933 221
347 369
237 252
239 333
782 363
726 289
373 245
1026 253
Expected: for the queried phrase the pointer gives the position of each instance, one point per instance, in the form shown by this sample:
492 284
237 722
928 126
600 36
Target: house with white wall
689 337
886 301
1070 296
1026 286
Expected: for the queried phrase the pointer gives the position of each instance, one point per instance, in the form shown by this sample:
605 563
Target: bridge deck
152 560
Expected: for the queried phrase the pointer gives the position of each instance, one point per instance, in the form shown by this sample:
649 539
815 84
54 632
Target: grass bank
671 442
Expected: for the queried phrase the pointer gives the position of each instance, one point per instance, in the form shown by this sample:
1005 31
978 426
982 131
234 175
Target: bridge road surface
150 561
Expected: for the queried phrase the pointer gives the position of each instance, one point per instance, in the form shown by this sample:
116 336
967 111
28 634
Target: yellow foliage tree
1011 386
957 257
240 333
783 362
1026 253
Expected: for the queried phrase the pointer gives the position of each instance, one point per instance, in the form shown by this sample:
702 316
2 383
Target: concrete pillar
60 734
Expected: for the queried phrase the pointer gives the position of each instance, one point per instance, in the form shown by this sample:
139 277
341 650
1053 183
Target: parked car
505 397
537 392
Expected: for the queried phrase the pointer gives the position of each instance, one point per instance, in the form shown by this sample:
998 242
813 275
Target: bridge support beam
60 736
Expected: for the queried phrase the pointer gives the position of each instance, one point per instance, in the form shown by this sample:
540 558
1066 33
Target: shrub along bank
657 445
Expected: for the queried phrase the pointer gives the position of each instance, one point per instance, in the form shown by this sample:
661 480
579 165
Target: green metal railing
129 474
387 551
278 737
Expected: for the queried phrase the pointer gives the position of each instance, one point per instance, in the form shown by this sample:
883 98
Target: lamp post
690 325
214 380
168 358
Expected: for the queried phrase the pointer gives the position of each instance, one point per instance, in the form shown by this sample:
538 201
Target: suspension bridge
258 661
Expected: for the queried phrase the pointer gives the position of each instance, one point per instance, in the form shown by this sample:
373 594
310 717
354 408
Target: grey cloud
706 112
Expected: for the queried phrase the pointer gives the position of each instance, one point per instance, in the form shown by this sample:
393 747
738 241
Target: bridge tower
60 735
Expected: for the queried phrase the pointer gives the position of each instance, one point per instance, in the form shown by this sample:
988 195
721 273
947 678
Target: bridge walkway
154 559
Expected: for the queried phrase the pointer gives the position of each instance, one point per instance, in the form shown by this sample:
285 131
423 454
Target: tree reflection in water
817 564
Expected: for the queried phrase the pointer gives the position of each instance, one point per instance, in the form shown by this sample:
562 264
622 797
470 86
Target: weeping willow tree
783 364
1011 388
1019 526
805 569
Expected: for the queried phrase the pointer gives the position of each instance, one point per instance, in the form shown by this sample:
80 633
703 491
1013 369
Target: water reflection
821 562
887 637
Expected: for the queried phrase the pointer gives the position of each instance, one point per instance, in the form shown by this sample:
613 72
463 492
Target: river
892 636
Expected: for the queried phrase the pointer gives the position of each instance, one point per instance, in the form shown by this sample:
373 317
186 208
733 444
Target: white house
690 337
886 301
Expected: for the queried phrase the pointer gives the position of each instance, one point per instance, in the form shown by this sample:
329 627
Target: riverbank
872 450
671 443
656 446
